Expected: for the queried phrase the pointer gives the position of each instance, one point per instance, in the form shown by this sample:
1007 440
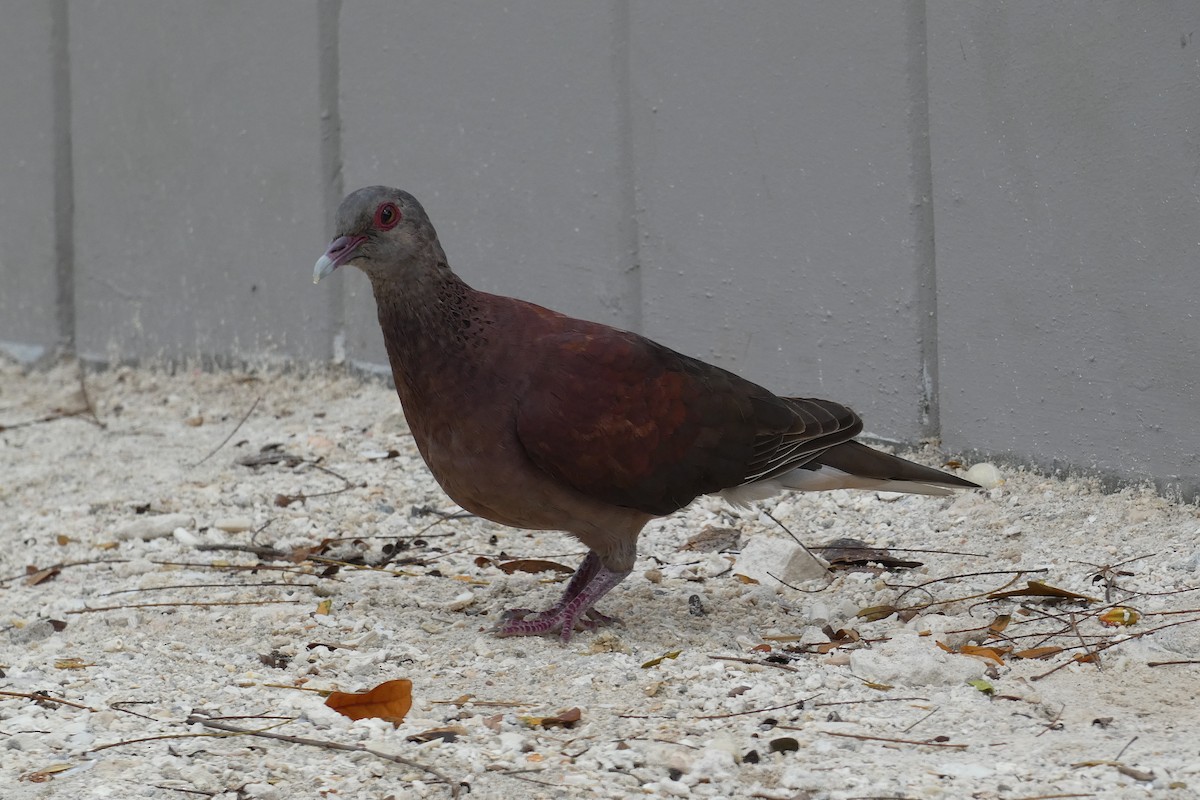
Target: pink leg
589 583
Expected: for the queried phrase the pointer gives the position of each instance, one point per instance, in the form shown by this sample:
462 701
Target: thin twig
864 738
797 704
754 662
1126 747
241 422
328 745
87 400
196 604
42 697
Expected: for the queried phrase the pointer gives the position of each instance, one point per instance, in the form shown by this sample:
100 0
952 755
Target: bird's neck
430 326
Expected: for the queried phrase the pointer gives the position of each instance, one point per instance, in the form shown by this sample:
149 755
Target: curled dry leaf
390 700
1043 590
1038 652
995 654
564 719
654 662
44 774
448 734
1119 616
713 540
845 553
35 576
534 565
875 613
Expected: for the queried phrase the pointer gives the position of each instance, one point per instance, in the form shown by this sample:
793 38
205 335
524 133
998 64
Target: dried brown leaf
875 613
1044 590
844 553
713 540
35 576
990 653
450 733
654 662
390 701
533 565
564 719
1038 652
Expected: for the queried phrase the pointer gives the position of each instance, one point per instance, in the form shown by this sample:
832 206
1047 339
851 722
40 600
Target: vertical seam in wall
630 232
332 179
64 180
924 250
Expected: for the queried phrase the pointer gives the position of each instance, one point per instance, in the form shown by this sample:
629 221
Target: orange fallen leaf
991 653
324 607
390 700
1119 616
1038 652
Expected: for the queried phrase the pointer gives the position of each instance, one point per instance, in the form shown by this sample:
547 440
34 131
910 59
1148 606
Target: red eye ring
387 216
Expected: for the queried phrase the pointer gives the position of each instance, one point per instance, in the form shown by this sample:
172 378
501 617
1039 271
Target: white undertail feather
822 479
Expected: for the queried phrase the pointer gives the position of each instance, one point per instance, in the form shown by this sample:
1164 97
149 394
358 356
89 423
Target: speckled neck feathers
432 321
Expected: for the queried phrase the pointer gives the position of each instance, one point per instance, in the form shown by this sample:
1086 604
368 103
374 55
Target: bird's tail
852 465
864 463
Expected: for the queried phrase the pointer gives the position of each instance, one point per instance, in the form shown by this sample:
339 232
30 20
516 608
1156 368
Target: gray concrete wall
973 220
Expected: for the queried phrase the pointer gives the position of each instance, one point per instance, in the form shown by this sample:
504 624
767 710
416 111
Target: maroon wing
635 424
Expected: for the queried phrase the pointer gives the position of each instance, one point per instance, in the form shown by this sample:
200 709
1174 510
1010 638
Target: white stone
153 526
985 474
771 560
234 524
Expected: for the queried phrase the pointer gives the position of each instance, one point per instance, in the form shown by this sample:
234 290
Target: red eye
386 216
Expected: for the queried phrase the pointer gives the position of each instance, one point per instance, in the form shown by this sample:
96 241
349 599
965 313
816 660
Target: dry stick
241 422
207 586
87 409
69 564
1093 655
795 538
922 719
1172 663
87 400
1054 721
1126 747
864 738
328 745
198 604
873 700
754 662
298 569
262 551
1016 573
41 697
184 791
798 704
